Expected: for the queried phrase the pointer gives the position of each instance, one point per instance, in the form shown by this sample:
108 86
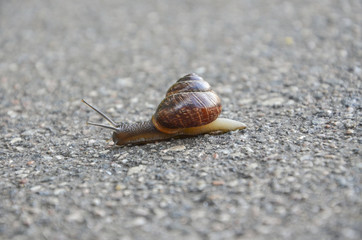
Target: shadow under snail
190 108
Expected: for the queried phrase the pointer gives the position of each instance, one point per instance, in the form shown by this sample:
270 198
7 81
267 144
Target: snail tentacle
101 113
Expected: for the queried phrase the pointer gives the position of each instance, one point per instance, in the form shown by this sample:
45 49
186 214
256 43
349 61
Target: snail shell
190 102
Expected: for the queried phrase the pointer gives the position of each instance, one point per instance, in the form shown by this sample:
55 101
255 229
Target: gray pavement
290 70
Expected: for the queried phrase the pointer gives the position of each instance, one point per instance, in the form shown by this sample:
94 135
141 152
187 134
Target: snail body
190 108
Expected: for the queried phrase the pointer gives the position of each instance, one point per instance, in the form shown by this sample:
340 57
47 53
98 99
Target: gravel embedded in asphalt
290 70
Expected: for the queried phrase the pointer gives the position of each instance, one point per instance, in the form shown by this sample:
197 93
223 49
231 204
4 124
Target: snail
190 108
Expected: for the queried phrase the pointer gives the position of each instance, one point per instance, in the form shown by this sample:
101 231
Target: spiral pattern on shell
190 102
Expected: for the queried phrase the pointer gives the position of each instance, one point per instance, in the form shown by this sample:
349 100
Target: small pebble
136 170
349 132
276 101
76 216
175 148
167 158
15 140
139 221
29 163
218 183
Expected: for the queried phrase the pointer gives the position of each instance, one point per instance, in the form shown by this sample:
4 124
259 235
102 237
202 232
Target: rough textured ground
291 70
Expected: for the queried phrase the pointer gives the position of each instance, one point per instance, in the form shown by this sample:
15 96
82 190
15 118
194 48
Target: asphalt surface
290 70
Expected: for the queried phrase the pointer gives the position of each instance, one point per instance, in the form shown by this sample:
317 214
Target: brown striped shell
190 102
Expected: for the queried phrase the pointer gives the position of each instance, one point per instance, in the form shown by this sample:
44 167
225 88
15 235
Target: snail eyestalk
101 125
114 125
103 115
